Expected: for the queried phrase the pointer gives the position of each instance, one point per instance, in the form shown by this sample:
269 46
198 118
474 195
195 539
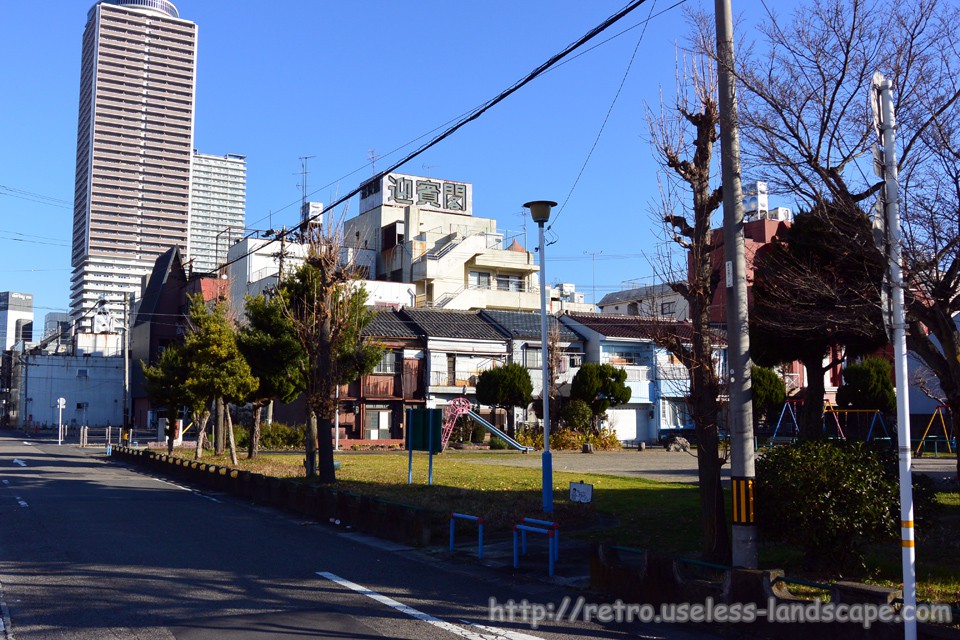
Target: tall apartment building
134 147
218 202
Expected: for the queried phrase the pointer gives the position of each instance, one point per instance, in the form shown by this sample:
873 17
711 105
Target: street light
540 212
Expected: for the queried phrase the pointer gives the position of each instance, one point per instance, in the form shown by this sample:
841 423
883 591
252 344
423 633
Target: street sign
61 403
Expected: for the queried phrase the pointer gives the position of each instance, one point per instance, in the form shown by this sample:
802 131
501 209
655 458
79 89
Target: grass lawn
631 512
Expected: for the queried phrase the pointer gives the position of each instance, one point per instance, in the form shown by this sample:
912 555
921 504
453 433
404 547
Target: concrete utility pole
127 312
885 120
740 417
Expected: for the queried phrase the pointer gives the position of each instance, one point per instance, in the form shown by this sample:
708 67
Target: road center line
489 633
19 462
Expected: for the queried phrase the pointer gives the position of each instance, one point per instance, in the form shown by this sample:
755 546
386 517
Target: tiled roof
638 327
526 324
387 323
437 323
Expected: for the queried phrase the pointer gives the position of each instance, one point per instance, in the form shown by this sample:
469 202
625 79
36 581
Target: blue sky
335 80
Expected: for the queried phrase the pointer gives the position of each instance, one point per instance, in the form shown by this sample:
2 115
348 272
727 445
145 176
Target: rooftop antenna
372 154
303 180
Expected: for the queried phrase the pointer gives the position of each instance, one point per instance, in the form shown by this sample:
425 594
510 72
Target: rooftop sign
399 190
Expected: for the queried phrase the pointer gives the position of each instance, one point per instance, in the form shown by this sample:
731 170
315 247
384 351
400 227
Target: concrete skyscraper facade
134 147
217 206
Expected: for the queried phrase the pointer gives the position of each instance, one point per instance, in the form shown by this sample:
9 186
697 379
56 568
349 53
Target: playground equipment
547 528
946 435
460 407
788 410
463 516
875 418
788 417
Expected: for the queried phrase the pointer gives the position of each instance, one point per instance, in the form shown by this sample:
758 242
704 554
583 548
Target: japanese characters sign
399 190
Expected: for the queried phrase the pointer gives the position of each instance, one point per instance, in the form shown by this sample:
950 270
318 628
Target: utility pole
593 256
885 122
127 303
740 416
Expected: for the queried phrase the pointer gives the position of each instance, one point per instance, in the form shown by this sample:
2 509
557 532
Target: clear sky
340 81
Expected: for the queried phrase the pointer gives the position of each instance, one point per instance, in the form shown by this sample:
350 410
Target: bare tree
807 127
325 302
683 137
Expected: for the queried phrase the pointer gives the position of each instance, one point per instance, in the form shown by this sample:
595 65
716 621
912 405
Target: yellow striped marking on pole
743 501
906 524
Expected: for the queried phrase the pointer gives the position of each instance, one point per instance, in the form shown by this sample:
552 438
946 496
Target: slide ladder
462 407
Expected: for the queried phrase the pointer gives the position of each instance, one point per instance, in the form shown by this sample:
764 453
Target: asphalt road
90 549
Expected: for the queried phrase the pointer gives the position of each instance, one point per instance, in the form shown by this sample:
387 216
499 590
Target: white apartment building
255 267
423 232
218 189
134 147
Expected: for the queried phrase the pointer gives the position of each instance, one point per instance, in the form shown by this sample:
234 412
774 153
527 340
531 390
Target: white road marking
486 633
19 462
29 444
499 633
6 482
182 488
21 501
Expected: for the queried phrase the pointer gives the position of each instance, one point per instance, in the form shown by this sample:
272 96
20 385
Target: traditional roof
639 327
388 323
437 323
526 325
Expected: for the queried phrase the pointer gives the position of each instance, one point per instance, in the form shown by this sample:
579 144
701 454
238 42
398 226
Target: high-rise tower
217 206
134 147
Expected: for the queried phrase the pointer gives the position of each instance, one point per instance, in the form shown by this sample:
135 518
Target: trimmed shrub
830 499
274 436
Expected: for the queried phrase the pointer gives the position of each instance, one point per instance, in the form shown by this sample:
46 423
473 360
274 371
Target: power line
606 119
473 115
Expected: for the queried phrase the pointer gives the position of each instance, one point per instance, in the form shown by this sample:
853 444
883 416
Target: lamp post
540 212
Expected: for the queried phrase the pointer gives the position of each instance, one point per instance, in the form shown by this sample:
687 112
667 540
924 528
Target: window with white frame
388 362
531 358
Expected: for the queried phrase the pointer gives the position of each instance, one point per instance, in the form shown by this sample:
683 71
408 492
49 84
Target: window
478 280
508 283
668 308
531 358
81 373
388 362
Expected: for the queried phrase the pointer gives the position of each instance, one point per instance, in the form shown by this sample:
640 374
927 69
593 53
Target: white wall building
91 384
218 190
423 232
16 318
655 300
255 265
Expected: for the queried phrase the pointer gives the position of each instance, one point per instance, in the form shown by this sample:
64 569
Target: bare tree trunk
811 420
254 449
218 440
325 450
713 514
201 433
311 444
230 438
